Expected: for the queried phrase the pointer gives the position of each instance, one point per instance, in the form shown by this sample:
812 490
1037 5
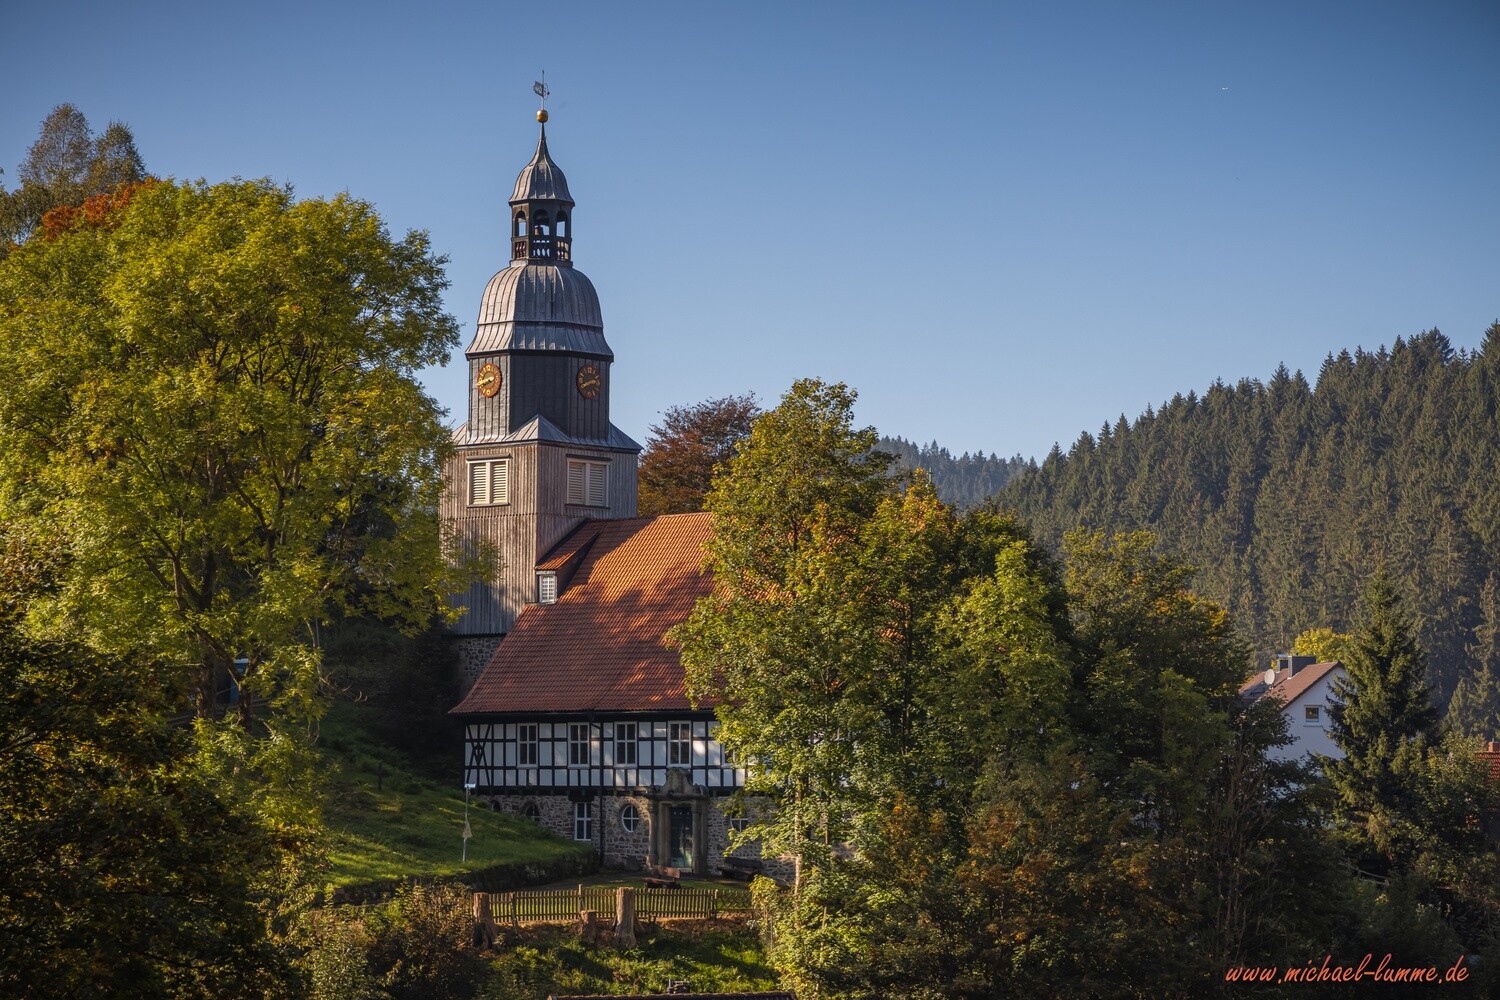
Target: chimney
1492 747
1291 664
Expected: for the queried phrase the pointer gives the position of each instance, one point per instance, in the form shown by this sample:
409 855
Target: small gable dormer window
588 483
489 482
546 588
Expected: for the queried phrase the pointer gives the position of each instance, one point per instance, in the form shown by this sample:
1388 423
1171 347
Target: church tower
538 454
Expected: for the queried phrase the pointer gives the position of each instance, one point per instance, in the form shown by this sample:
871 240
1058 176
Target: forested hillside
963 481
1287 496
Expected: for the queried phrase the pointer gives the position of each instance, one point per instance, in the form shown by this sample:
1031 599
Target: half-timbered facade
577 716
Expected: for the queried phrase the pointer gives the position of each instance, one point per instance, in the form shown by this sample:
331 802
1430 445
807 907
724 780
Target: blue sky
1002 223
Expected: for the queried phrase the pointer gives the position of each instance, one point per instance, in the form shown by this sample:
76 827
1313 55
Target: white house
1305 690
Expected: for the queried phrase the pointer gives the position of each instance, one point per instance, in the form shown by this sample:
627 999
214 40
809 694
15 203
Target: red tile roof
1490 756
601 647
1287 688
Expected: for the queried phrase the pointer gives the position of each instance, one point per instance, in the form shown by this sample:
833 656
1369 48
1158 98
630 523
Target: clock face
488 380
590 383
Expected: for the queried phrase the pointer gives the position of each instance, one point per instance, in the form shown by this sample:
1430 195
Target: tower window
588 483
489 482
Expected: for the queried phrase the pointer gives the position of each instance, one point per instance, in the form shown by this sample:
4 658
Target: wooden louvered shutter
576 473
598 494
500 482
479 483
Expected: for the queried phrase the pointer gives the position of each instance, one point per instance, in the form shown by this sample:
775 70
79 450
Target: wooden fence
565 905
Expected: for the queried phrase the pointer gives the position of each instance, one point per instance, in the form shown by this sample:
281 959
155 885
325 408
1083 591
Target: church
576 715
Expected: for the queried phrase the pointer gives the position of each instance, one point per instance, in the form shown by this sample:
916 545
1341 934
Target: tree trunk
625 916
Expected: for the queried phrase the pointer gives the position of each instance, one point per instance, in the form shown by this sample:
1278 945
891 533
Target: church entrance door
680 845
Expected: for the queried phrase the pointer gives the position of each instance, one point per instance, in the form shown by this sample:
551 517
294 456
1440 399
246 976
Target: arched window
520 224
531 812
542 224
630 818
562 224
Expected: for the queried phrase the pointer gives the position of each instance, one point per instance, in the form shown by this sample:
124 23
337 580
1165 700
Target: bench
659 877
744 869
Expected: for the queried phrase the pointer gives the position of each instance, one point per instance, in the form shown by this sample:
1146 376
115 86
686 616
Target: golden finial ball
541 116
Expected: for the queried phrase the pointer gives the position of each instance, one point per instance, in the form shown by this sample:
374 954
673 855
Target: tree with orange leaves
65 167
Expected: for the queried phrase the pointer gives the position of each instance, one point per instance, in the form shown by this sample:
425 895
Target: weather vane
540 89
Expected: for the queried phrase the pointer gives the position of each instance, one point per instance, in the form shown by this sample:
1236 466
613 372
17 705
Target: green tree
65 166
946 739
1384 722
1475 707
788 510
683 450
124 868
212 389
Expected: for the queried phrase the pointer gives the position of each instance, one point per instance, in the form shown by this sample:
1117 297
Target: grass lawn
386 821
722 957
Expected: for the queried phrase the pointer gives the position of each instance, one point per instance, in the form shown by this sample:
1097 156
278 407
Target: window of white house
680 743
583 821
1312 713
578 744
624 743
489 482
588 483
546 588
630 817
526 745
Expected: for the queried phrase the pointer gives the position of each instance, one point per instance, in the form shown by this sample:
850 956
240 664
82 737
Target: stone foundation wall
554 812
622 848
472 652
718 836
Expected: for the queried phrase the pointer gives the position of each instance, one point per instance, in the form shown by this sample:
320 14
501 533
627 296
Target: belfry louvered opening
588 483
489 482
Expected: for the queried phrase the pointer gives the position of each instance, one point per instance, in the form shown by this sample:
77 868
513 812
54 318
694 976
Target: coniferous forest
963 480
1288 495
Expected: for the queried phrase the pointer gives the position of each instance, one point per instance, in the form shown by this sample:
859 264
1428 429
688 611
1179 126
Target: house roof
1490 757
602 645
1288 686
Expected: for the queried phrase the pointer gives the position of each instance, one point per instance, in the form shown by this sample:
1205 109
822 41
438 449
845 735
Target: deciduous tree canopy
685 448
124 868
995 778
210 390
